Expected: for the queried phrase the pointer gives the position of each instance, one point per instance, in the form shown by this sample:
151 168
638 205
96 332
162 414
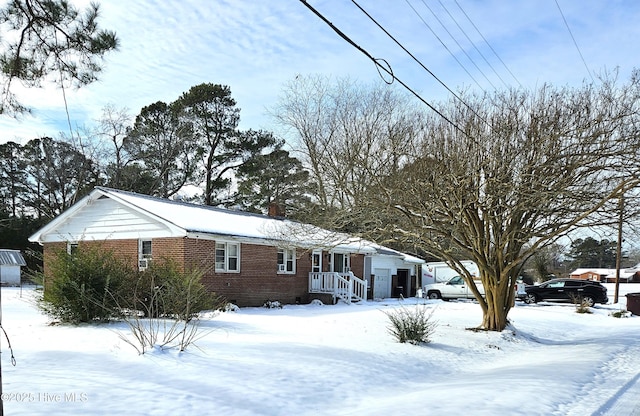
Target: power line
444 45
457 43
487 42
574 40
417 60
472 43
381 67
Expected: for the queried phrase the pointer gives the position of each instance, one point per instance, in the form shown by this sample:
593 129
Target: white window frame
72 247
346 262
141 249
224 247
144 256
286 261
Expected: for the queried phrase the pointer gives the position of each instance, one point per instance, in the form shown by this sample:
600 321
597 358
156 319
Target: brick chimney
276 210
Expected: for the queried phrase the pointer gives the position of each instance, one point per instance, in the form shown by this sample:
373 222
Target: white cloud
255 47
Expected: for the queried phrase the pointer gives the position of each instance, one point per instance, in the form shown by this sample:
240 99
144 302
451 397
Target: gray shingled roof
11 258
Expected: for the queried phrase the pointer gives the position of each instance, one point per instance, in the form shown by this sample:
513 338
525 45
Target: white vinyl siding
104 218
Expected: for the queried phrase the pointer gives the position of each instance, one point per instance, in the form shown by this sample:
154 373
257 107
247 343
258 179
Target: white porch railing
345 286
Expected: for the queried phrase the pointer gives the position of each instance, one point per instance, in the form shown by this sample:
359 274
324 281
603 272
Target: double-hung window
286 260
227 257
144 254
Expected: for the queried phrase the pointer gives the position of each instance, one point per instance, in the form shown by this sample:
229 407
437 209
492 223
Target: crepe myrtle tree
49 41
509 173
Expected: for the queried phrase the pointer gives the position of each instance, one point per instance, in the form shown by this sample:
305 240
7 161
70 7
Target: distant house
246 258
10 263
630 275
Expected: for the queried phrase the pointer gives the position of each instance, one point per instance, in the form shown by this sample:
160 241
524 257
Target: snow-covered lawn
334 360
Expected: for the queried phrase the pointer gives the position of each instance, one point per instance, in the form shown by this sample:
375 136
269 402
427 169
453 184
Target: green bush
414 325
82 285
93 284
623 313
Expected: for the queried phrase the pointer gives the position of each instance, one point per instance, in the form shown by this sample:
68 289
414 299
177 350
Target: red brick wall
357 265
171 249
257 282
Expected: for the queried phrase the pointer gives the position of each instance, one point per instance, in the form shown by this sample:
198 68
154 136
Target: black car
585 291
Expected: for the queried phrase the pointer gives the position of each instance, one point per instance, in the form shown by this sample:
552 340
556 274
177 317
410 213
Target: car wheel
530 298
588 301
434 295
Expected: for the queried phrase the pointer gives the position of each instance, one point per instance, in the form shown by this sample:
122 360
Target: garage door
382 283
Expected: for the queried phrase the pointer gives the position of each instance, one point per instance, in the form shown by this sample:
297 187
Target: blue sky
256 46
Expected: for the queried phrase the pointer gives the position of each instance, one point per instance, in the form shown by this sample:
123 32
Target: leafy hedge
94 285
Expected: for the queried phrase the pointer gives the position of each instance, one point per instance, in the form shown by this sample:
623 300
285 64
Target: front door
316 261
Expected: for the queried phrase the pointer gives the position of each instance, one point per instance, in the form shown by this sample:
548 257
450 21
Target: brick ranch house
247 258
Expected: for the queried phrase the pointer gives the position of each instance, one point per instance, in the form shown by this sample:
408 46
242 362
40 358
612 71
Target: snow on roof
211 220
606 272
11 258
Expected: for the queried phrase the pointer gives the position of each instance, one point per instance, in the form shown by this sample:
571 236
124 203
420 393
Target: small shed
10 263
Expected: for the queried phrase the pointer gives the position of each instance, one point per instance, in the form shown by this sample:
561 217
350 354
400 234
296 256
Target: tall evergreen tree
57 175
163 148
274 177
12 177
213 116
49 40
590 252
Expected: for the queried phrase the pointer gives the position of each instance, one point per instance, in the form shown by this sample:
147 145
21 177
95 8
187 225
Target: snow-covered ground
334 360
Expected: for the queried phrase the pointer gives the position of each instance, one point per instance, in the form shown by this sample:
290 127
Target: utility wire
444 45
574 40
418 61
381 67
457 43
487 42
472 43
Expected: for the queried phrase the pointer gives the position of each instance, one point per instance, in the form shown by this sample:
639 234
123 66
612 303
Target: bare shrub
412 325
164 306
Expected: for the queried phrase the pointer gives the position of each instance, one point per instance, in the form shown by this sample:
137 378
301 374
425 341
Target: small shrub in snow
620 314
165 291
582 306
413 325
272 304
230 307
168 303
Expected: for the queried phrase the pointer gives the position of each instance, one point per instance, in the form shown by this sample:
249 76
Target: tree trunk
495 315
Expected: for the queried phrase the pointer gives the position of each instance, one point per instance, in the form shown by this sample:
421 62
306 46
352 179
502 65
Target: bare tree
346 134
114 126
511 176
